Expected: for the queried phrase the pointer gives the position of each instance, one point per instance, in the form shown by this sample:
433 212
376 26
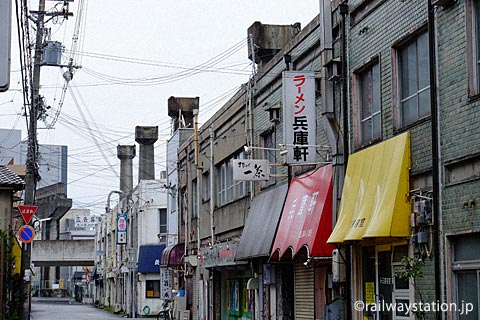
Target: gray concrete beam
63 252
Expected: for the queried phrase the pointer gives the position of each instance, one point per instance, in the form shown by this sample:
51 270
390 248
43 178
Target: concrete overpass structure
46 253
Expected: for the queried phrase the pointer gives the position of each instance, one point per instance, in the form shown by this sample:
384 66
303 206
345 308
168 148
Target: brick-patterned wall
375 36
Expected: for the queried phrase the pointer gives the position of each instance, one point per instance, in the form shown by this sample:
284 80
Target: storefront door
383 293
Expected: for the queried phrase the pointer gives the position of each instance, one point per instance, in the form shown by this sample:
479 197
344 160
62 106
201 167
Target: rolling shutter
304 292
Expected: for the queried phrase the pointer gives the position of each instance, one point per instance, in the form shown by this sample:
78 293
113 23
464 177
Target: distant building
52 160
10 146
52 164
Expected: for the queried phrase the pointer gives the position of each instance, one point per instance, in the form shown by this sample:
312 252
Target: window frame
397 95
163 212
152 282
457 267
473 47
206 192
194 199
358 108
268 139
229 190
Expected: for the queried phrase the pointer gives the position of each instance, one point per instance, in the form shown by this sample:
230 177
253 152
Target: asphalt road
65 311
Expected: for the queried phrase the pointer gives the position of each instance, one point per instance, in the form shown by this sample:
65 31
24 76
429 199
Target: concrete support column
126 153
146 137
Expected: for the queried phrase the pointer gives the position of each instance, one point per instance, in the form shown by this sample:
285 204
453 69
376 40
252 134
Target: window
194 200
163 224
152 289
228 189
466 274
473 46
206 186
369 103
268 141
414 80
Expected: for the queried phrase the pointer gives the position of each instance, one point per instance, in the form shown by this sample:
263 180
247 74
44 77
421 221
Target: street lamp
120 193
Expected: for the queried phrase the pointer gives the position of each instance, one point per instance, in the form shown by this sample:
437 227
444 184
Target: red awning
172 255
306 220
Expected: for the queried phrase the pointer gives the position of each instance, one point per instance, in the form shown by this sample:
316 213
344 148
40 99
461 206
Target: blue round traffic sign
26 234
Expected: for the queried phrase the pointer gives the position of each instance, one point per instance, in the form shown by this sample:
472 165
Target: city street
61 311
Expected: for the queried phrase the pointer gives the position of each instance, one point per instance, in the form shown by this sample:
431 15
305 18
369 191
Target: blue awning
149 258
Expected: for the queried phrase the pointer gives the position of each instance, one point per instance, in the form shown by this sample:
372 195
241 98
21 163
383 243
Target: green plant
12 306
411 269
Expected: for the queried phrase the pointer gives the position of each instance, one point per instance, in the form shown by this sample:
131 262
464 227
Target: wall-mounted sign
86 221
250 170
166 283
221 254
121 228
299 116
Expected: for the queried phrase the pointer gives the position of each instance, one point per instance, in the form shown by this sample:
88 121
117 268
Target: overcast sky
134 55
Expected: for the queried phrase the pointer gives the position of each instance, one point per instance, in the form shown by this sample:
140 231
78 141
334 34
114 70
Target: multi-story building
150 198
242 258
284 239
456 42
132 236
52 162
11 147
412 145
392 183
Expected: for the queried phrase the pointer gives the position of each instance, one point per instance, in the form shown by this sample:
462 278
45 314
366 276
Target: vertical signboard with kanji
299 116
121 228
166 283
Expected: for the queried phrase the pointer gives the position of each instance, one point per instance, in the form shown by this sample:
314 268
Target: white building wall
155 304
150 196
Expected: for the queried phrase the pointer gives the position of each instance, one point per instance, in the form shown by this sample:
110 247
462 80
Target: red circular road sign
26 234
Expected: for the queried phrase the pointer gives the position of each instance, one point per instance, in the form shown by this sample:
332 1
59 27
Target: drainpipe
345 110
133 267
343 9
199 177
212 199
436 171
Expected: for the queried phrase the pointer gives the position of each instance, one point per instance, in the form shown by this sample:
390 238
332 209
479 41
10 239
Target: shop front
374 219
255 245
172 277
305 225
222 289
171 270
148 290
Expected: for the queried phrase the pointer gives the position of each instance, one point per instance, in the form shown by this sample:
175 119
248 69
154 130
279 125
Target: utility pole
35 111
31 174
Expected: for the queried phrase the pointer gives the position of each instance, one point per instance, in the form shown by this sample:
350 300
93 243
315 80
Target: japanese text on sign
121 228
166 283
250 170
86 221
299 116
